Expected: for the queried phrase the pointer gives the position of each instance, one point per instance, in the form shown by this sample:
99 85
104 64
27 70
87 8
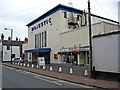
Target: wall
119 36
59 35
119 53
53 31
16 51
109 27
64 21
7 53
119 12
81 35
0 51
105 53
74 37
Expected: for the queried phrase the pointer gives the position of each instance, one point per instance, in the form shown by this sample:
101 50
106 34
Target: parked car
19 60
16 60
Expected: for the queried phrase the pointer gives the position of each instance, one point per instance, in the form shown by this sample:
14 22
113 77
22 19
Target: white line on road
48 80
41 77
9 67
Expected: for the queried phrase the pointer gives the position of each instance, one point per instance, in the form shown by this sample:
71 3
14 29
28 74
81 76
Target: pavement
112 85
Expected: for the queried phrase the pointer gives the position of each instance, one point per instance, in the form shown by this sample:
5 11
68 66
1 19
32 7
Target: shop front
33 54
75 55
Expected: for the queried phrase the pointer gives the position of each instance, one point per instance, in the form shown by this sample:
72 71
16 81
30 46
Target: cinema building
61 35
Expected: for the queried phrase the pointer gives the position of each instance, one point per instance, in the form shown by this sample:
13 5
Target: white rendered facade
62 37
5 50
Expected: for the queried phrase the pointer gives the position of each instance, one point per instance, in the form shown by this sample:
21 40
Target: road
15 78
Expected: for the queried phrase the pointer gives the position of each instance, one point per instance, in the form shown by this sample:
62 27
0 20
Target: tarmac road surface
15 78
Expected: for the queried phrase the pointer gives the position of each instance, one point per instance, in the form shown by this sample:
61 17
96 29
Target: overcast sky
16 14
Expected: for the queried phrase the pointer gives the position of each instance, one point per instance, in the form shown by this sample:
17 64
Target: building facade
6 50
106 55
119 12
61 35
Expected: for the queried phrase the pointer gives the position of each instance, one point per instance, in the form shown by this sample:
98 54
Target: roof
110 20
106 34
14 43
53 10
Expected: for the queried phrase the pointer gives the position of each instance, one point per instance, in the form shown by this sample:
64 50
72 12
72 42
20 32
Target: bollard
24 64
32 65
60 69
21 64
86 72
37 66
51 68
44 67
71 71
28 65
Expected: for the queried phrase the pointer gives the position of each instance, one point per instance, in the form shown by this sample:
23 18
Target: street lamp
11 40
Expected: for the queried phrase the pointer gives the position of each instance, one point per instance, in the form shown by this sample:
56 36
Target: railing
72 22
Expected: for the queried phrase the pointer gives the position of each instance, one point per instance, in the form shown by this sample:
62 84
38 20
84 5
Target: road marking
21 71
9 67
44 76
76 84
54 82
41 77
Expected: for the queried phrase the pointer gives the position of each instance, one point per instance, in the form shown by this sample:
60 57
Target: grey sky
16 14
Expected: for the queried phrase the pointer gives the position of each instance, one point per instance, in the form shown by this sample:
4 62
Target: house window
65 14
45 38
40 40
35 41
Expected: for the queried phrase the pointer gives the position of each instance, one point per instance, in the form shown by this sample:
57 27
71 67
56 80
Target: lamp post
11 40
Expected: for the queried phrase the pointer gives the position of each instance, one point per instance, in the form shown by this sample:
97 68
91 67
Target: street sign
41 61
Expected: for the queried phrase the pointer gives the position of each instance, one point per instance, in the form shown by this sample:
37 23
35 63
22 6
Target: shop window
65 14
